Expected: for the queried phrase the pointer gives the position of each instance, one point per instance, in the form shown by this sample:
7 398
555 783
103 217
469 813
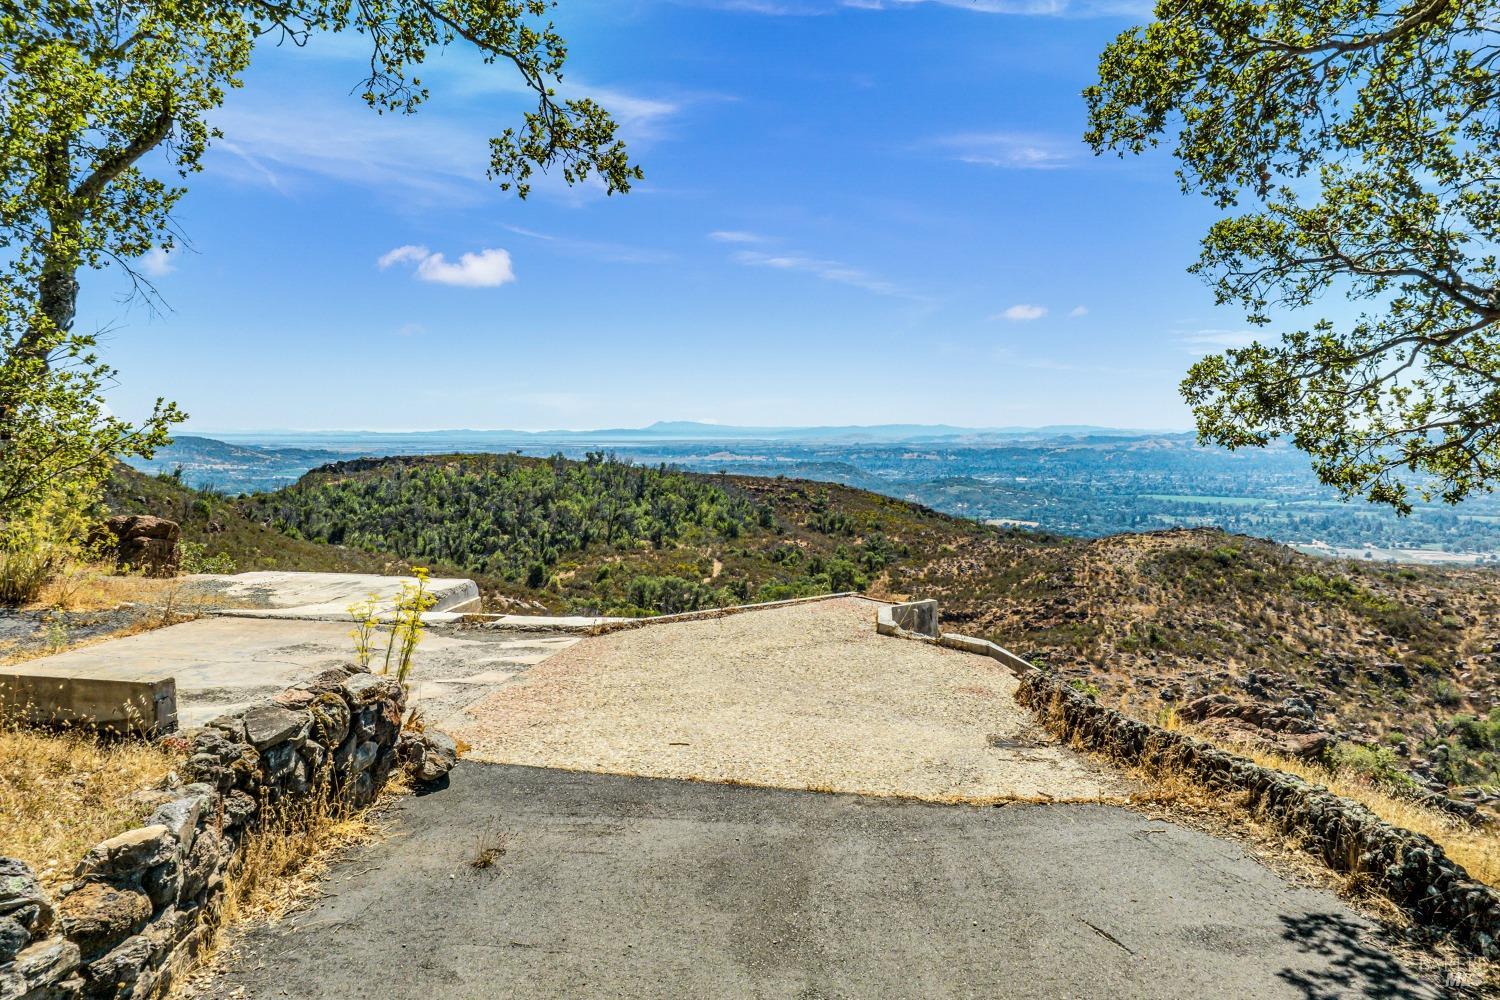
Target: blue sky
858 212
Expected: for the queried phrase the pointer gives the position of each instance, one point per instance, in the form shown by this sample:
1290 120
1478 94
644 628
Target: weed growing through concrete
407 631
365 624
406 626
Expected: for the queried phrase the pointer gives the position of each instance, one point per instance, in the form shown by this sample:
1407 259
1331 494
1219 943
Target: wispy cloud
828 270
1078 311
1022 312
1012 150
615 253
1208 341
488 268
417 155
737 236
429 156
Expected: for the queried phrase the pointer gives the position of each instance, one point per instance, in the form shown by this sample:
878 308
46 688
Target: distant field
1194 498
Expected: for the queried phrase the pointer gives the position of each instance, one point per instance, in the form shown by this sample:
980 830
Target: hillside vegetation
1389 669
605 536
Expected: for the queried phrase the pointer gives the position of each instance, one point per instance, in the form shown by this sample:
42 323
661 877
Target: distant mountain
412 442
207 462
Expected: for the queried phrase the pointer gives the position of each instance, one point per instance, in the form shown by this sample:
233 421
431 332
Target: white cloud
1078 311
402 254
1208 341
1022 312
1012 150
488 268
157 263
828 270
736 236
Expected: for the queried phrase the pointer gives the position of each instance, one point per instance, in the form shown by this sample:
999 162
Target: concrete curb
604 626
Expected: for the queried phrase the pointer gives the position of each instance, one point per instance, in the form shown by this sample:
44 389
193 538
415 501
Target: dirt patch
805 696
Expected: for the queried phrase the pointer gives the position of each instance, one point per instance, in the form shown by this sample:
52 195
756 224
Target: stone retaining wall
136 907
1405 867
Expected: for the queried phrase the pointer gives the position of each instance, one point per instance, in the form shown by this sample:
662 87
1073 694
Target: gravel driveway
805 696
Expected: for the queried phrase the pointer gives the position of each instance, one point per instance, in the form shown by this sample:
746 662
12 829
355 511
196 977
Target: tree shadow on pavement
1353 966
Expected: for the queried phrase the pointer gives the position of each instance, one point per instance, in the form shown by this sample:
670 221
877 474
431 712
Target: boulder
13 937
114 973
129 855
364 689
428 756
97 917
270 725
330 714
180 816
142 542
44 964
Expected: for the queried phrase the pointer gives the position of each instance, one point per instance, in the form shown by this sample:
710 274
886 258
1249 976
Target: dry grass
1477 849
61 793
99 587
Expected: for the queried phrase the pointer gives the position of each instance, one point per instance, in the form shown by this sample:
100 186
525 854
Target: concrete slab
223 664
323 596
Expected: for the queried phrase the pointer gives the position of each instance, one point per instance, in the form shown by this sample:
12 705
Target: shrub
1379 765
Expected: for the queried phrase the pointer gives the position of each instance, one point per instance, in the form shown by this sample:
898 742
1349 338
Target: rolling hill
1396 667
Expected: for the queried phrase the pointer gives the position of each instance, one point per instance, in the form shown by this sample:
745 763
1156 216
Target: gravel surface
28 632
798 697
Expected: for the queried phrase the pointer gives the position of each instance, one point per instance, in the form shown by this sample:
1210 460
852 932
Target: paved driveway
615 886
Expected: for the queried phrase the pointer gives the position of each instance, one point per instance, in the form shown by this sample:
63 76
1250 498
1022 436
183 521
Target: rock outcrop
143 543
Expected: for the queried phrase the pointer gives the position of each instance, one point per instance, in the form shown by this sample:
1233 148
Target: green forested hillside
604 535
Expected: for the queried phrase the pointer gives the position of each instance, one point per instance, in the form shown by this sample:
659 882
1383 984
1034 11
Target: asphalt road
629 887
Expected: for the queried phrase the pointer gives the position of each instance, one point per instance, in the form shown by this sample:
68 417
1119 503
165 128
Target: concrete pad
327 596
50 696
224 664
799 696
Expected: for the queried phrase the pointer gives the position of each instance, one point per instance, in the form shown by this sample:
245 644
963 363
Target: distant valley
1083 481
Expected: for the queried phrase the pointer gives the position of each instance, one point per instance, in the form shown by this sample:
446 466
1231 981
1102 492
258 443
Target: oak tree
105 110
1358 144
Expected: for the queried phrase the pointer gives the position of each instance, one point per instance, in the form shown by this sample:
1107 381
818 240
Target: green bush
1379 765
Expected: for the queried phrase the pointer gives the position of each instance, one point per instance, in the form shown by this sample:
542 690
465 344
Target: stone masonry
134 912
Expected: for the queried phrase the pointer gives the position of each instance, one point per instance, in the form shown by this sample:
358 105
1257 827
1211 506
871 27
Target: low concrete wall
43 697
135 911
915 618
603 626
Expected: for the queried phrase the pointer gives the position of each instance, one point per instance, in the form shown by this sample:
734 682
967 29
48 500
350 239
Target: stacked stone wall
136 910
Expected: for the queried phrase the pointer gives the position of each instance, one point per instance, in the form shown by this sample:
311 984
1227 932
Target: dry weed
63 792
1476 848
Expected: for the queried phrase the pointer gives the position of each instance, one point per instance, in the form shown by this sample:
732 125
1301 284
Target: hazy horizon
832 231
